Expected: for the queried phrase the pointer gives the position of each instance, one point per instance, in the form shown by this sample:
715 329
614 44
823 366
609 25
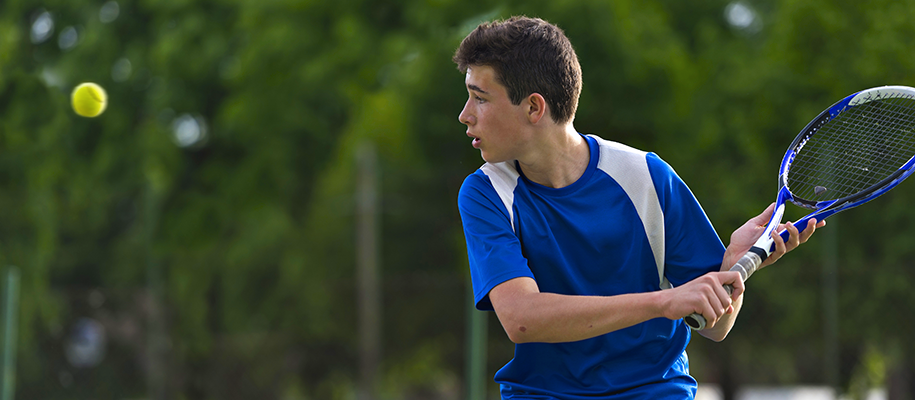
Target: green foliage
246 240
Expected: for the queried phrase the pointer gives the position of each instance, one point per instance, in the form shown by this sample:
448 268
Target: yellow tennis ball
89 99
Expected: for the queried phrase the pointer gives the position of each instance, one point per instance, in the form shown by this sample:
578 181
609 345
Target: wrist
730 258
660 304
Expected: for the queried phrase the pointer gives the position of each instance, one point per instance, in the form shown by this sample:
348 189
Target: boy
571 238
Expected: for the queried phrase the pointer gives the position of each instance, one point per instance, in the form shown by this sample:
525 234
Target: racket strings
855 150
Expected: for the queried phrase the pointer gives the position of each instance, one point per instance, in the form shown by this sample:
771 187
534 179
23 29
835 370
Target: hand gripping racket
850 154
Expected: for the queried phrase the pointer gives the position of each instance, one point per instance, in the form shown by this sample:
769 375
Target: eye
478 99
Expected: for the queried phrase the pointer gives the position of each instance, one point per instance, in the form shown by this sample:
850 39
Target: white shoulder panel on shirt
629 167
504 179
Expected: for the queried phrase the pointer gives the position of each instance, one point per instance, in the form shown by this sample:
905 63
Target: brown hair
529 55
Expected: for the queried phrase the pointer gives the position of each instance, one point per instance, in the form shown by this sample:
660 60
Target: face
497 127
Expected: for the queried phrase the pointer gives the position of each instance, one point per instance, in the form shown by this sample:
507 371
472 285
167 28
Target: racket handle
746 266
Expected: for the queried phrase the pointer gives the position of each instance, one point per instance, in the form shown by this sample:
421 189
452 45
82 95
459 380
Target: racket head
852 152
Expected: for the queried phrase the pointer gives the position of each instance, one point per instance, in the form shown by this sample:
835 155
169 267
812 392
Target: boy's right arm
528 315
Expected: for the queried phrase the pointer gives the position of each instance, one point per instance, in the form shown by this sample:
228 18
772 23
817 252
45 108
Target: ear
536 108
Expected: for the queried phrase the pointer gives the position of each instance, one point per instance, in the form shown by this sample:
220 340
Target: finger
794 237
727 299
762 219
724 299
711 308
739 287
780 247
715 301
808 231
707 310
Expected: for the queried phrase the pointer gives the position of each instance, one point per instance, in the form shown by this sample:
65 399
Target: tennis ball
89 99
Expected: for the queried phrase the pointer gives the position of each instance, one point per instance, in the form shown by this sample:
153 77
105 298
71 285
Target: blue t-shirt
628 225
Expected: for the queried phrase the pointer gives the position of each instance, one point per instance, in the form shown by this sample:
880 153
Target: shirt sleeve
693 247
493 249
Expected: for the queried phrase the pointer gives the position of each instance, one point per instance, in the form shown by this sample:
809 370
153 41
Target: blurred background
267 208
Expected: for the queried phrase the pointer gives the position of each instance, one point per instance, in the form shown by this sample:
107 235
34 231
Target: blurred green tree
207 218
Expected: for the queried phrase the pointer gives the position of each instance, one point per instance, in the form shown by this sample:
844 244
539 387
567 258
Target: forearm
724 324
553 318
741 241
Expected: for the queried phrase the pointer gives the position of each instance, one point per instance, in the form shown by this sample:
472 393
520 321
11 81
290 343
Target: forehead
482 78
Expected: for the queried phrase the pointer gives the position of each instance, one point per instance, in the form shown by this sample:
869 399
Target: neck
558 159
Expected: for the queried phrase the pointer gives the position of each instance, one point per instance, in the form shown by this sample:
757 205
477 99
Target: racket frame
765 245
827 208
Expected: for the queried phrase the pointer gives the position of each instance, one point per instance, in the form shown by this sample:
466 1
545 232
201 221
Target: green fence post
10 327
476 350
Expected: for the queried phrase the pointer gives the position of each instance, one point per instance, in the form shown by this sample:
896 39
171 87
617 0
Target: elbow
517 331
518 311
516 339
713 337
716 334
518 334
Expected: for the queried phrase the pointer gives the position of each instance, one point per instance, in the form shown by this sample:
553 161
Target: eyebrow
476 88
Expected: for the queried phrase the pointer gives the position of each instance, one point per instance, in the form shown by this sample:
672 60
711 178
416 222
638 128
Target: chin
492 158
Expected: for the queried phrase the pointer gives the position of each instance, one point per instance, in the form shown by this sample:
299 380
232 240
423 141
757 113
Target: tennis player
589 251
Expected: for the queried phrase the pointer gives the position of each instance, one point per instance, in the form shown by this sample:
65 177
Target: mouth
475 142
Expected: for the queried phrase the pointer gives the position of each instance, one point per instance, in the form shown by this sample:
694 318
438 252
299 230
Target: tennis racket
850 154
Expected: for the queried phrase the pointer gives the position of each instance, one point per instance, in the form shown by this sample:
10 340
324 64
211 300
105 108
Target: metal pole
476 350
10 328
831 304
156 336
369 292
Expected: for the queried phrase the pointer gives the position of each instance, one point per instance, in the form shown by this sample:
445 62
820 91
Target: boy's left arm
741 240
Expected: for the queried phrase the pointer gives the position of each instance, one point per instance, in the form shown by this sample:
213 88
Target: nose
465 116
